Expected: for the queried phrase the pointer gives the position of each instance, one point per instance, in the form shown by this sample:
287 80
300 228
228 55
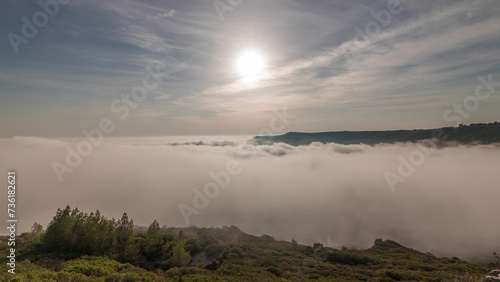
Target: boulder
213 266
492 276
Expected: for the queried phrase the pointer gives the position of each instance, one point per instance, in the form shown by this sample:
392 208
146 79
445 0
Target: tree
496 259
95 234
34 238
180 256
59 235
193 245
124 239
154 242
317 245
75 233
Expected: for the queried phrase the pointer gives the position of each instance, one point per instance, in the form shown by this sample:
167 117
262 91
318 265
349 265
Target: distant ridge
479 133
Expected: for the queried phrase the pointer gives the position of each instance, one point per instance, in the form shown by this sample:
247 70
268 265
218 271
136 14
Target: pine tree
180 256
154 242
125 238
59 235
34 238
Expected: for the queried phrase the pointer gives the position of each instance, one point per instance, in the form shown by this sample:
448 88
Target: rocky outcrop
213 266
492 276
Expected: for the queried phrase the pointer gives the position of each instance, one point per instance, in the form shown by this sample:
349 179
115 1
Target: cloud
448 206
202 143
427 58
170 13
418 63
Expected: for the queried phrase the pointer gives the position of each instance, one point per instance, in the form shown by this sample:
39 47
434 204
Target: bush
274 270
399 275
193 245
349 258
180 256
92 266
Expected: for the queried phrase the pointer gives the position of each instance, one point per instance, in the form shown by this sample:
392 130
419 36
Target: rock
213 266
201 257
492 276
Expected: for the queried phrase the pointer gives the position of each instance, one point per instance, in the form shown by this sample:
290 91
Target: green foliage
35 236
106 269
236 256
274 270
496 259
400 275
193 245
126 250
189 274
27 271
154 241
60 235
350 257
92 266
27 242
180 256
73 233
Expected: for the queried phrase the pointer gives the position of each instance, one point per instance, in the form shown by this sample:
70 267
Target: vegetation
88 247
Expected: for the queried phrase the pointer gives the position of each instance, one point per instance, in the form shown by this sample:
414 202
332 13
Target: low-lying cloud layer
322 192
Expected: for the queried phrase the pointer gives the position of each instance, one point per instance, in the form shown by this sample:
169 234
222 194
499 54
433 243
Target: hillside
472 134
88 247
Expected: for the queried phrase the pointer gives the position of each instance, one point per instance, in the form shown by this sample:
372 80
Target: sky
333 65
133 106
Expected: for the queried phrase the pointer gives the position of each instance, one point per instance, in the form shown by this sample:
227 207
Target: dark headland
478 133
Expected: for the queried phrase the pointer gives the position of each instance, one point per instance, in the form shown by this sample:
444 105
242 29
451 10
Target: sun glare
250 63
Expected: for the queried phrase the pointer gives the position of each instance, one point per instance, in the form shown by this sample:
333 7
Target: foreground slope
209 254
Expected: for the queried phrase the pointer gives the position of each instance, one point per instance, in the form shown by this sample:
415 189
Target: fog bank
331 193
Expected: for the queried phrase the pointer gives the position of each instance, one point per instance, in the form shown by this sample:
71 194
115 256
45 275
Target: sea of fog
445 201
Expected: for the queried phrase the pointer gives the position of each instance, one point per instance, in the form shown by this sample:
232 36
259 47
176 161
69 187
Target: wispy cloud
426 58
434 49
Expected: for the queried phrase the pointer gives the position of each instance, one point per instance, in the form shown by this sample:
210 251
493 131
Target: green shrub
399 275
349 258
92 266
274 270
193 245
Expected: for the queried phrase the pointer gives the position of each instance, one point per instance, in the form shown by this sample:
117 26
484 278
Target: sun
250 63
